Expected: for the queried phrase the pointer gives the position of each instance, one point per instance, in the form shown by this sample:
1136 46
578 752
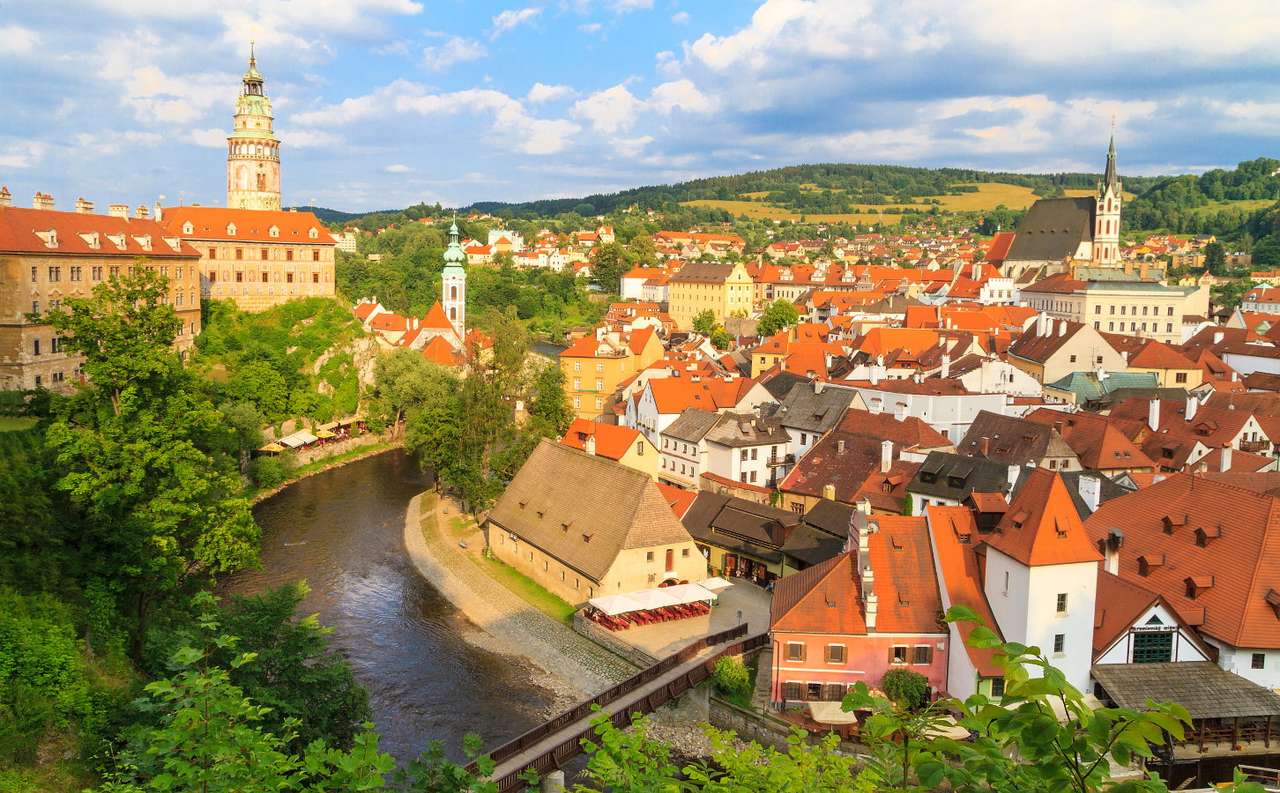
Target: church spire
1109 176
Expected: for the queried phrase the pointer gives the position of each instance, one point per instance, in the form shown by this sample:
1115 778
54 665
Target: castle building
48 257
453 287
253 150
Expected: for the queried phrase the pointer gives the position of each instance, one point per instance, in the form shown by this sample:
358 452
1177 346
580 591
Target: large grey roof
805 408
1202 687
971 473
746 429
1052 229
692 425
583 509
737 524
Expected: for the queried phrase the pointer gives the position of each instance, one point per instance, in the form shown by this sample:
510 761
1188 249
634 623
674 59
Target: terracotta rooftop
1041 526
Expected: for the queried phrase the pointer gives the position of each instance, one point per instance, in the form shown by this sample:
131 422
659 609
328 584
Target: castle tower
253 151
1106 233
453 292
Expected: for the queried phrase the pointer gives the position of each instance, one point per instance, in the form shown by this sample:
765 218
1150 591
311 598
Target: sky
384 103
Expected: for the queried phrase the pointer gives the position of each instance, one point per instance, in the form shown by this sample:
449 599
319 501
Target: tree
208 736
550 410
139 450
402 380
721 339
1215 257
705 322
1017 742
609 262
778 315
904 688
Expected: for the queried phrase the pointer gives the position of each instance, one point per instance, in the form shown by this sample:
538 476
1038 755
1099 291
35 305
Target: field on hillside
757 210
1246 204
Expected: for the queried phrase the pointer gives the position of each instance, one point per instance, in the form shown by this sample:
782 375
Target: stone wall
750 726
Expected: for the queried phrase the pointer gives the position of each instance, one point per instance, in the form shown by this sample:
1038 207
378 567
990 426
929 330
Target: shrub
904 687
269 472
730 677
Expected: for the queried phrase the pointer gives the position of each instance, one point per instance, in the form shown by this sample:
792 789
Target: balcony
780 460
1255 446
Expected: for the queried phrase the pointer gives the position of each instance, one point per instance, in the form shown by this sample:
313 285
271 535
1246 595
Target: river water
342 532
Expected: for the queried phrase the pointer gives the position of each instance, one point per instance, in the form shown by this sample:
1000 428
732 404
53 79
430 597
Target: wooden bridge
546 747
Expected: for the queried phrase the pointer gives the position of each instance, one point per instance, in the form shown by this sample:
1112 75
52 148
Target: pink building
858 615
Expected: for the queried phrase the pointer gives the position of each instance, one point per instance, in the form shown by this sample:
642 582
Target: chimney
1014 472
1062 328
1218 336
84 207
886 455
589 445
1226 459
864 505
984 446
1090 487
1046 325
818 385
872 607
142 213
6 198
946 365
840 446
829 492
118 210
42 201
158 212
874 374
1153 414
901 411
1192 404
1111 551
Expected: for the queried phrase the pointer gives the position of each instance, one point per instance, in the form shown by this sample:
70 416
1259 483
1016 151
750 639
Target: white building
683 450
943 403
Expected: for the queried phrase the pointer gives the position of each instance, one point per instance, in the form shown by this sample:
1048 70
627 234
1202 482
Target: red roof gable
612 441
1042 526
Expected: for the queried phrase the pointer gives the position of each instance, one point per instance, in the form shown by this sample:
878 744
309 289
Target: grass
1246 204
47 778
13 424
743 699
757 210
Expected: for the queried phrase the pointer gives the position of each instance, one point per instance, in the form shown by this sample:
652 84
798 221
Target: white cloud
682 94
511 19
631 147
455 50
680 17
16 40
541 92
591 28
308 139
21 153
609 111
666 64
397 168
210 138
625 6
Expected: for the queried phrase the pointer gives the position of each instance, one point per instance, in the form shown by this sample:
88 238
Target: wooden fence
553 757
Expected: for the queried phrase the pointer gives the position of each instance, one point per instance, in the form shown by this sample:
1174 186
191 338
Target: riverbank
326 464
573 666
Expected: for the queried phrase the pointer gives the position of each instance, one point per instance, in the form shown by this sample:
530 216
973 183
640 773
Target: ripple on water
342 531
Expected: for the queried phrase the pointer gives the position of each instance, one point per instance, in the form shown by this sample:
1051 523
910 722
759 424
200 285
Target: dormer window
144 241
274 232
188 228
174 243
1273 600
313 233
92 240
50 238
1205 535
231 229
1147 563
1198 584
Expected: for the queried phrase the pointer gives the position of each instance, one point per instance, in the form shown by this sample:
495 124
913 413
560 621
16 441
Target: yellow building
725 290
595 366
1135 308
1171 367
47 257
582 526
258 258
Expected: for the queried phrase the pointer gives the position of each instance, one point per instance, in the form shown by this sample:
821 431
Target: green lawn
11 423
528 590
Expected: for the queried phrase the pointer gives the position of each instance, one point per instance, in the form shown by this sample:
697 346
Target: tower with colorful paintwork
453 291
253 150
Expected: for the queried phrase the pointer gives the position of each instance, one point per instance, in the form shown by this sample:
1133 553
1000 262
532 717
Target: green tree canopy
778 315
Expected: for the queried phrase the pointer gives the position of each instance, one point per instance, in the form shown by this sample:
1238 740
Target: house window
898 654
35 346
1073 359
639 448
55 273
1059 642
288 255
1062 602
835 653
1152 647
1006 583
315 278
239 253
813 691
264 278
684 553
922 654
1258 661
315 256
648 556
239 277
264 254
35 275
795 651
997 686
1180 377
288 277
792 690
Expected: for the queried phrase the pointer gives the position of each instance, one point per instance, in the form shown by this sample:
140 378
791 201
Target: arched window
453 293
453 313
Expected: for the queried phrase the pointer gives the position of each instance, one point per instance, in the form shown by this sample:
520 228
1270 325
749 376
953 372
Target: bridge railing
583 709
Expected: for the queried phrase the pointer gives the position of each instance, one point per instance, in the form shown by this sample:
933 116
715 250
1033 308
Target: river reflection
342 531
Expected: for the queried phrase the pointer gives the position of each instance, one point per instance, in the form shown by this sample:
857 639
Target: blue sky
382 103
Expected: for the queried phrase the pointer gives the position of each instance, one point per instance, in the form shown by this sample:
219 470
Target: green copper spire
454 256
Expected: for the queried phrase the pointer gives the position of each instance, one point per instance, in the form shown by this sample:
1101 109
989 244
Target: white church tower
453 296
1106 234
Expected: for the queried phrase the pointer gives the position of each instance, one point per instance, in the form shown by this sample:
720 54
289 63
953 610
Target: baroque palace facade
252 252
47 256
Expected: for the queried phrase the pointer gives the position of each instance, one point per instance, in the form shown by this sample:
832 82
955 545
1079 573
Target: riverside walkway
546 747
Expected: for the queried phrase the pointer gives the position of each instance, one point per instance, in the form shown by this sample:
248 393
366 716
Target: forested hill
1215 202
809 187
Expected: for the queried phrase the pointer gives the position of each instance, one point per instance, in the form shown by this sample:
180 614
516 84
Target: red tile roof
677 498
1100 445
1041 526
1240 552
252 225
19 227
436 319
955 537
439 351
612 441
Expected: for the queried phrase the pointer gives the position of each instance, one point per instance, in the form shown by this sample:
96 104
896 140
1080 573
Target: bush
730 677
268 472
904 687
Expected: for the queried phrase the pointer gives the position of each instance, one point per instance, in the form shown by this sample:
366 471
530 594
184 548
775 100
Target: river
342 532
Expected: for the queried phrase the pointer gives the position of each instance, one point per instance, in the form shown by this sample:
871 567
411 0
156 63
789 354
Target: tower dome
253 150
453 285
